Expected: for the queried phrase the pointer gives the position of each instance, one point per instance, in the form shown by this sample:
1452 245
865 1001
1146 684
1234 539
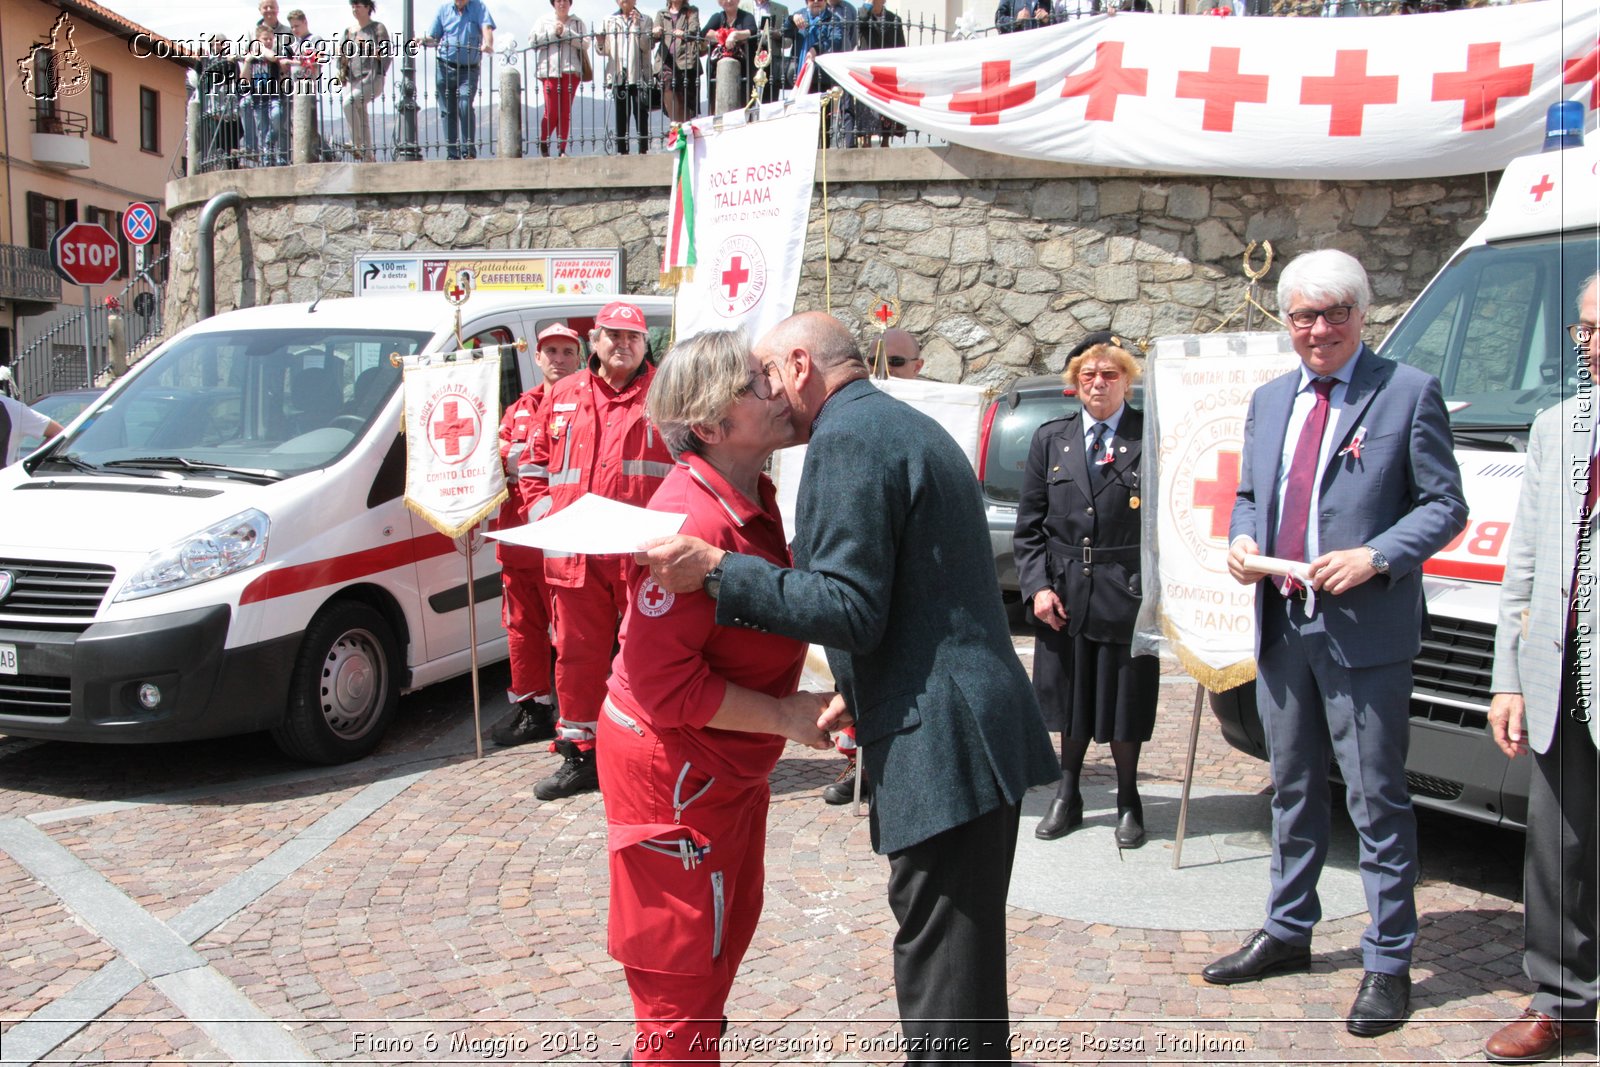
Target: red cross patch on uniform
654 601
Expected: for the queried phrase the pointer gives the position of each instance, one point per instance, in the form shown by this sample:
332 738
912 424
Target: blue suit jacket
1402 496
894 573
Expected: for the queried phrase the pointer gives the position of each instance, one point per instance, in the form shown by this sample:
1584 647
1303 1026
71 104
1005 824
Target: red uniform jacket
594 439
518 429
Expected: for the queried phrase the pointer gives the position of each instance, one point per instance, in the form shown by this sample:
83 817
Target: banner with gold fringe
1197 394
452 413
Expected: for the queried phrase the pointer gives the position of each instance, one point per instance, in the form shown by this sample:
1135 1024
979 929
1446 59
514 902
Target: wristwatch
712 582
1380 562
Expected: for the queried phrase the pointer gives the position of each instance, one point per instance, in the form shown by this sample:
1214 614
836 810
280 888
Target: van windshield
257 404
1492 329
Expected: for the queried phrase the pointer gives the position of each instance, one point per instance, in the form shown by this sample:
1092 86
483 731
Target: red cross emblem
1223 88
997 94
1482 85
1348 91
1585 69
1105 82
1545 185
736 275
451 427
459 289
1218 493
654 601
883 314
884 83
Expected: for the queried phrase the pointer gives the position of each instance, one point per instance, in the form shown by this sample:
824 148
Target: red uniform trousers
679 930
525 613
587 619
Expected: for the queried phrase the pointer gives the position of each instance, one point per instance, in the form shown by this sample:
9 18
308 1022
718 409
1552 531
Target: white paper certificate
595 526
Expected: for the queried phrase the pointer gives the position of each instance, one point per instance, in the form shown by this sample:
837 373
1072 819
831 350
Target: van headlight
233 544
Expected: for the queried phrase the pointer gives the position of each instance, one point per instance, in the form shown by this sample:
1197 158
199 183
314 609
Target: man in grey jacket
891 574
1544 699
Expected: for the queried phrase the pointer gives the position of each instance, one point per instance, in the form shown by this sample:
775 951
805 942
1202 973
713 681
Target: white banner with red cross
1196 400
1400 96
452 418
751 206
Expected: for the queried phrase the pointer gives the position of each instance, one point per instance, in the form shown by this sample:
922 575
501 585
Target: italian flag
677 256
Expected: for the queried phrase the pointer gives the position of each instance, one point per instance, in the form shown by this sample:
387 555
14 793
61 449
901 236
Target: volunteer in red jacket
525 607
697 713
596 438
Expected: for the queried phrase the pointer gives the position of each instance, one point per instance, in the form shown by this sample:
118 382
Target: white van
219 544
1491 327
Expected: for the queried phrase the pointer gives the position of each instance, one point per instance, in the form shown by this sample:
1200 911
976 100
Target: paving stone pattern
457 919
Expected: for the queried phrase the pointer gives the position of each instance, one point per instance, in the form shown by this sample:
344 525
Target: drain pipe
206 253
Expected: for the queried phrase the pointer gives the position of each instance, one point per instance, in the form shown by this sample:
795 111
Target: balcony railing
239 130
51 119
26 276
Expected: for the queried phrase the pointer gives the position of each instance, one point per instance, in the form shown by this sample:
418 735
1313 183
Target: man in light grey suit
1544 698
892 574
1347 466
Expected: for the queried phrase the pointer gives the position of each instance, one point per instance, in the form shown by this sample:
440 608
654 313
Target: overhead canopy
1399 96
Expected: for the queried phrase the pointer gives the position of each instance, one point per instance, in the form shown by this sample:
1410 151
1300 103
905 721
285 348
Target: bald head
901 352
815 356
819 334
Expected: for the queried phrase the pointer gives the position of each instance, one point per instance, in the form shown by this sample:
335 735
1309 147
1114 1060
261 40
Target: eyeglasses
898 361
760 383
1306 318
1107 376
1581 332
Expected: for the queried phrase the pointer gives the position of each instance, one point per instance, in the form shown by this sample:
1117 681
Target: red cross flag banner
750 204
1196 400
452 418
1399 96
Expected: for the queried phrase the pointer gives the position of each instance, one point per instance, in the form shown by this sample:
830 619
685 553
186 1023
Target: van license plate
8 659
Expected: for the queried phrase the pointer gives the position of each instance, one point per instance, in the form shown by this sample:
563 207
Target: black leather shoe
1380 1004
1063 817
1130 829
1260 955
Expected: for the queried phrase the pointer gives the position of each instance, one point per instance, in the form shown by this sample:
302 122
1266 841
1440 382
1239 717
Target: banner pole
472 642
1188 776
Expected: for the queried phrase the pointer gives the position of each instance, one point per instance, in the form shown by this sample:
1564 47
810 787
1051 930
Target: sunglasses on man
898 361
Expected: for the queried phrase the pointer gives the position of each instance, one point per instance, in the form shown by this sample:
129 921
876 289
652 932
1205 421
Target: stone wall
999 265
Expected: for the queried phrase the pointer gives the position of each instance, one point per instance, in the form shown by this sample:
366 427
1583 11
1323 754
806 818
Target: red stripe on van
1493 573
304 576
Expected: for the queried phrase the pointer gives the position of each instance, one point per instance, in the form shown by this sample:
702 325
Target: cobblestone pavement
424 907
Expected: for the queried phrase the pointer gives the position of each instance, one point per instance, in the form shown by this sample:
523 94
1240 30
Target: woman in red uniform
697 713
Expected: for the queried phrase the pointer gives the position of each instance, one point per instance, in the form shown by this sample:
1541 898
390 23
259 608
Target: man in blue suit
892 574
1348 469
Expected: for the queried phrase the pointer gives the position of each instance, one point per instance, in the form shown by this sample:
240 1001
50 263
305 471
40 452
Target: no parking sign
139 223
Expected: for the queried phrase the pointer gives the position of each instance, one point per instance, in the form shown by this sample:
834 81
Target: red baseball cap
558 330
619 315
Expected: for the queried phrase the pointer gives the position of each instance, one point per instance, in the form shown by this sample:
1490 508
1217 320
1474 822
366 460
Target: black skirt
1094 690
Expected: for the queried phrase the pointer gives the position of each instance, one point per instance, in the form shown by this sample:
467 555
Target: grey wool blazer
894 575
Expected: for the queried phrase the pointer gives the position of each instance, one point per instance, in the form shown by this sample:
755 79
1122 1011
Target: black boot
532 721
577 774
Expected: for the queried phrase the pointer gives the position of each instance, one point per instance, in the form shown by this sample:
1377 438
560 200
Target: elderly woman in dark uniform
1077 552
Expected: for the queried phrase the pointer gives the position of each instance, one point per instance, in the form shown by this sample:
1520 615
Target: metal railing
54 360
232 124
52 119
26 275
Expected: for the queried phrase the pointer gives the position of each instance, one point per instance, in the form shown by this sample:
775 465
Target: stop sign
85 253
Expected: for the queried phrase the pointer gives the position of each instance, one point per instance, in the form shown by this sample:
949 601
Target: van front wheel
343 694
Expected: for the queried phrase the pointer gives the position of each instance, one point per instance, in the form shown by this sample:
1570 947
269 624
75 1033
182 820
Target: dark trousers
457 87
634 98
1313 711
948 894
1559 901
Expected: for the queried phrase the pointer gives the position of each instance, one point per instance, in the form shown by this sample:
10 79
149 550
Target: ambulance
1491 326
219 544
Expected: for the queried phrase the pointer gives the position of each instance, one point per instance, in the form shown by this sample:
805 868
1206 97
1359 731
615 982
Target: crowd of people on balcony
671 61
